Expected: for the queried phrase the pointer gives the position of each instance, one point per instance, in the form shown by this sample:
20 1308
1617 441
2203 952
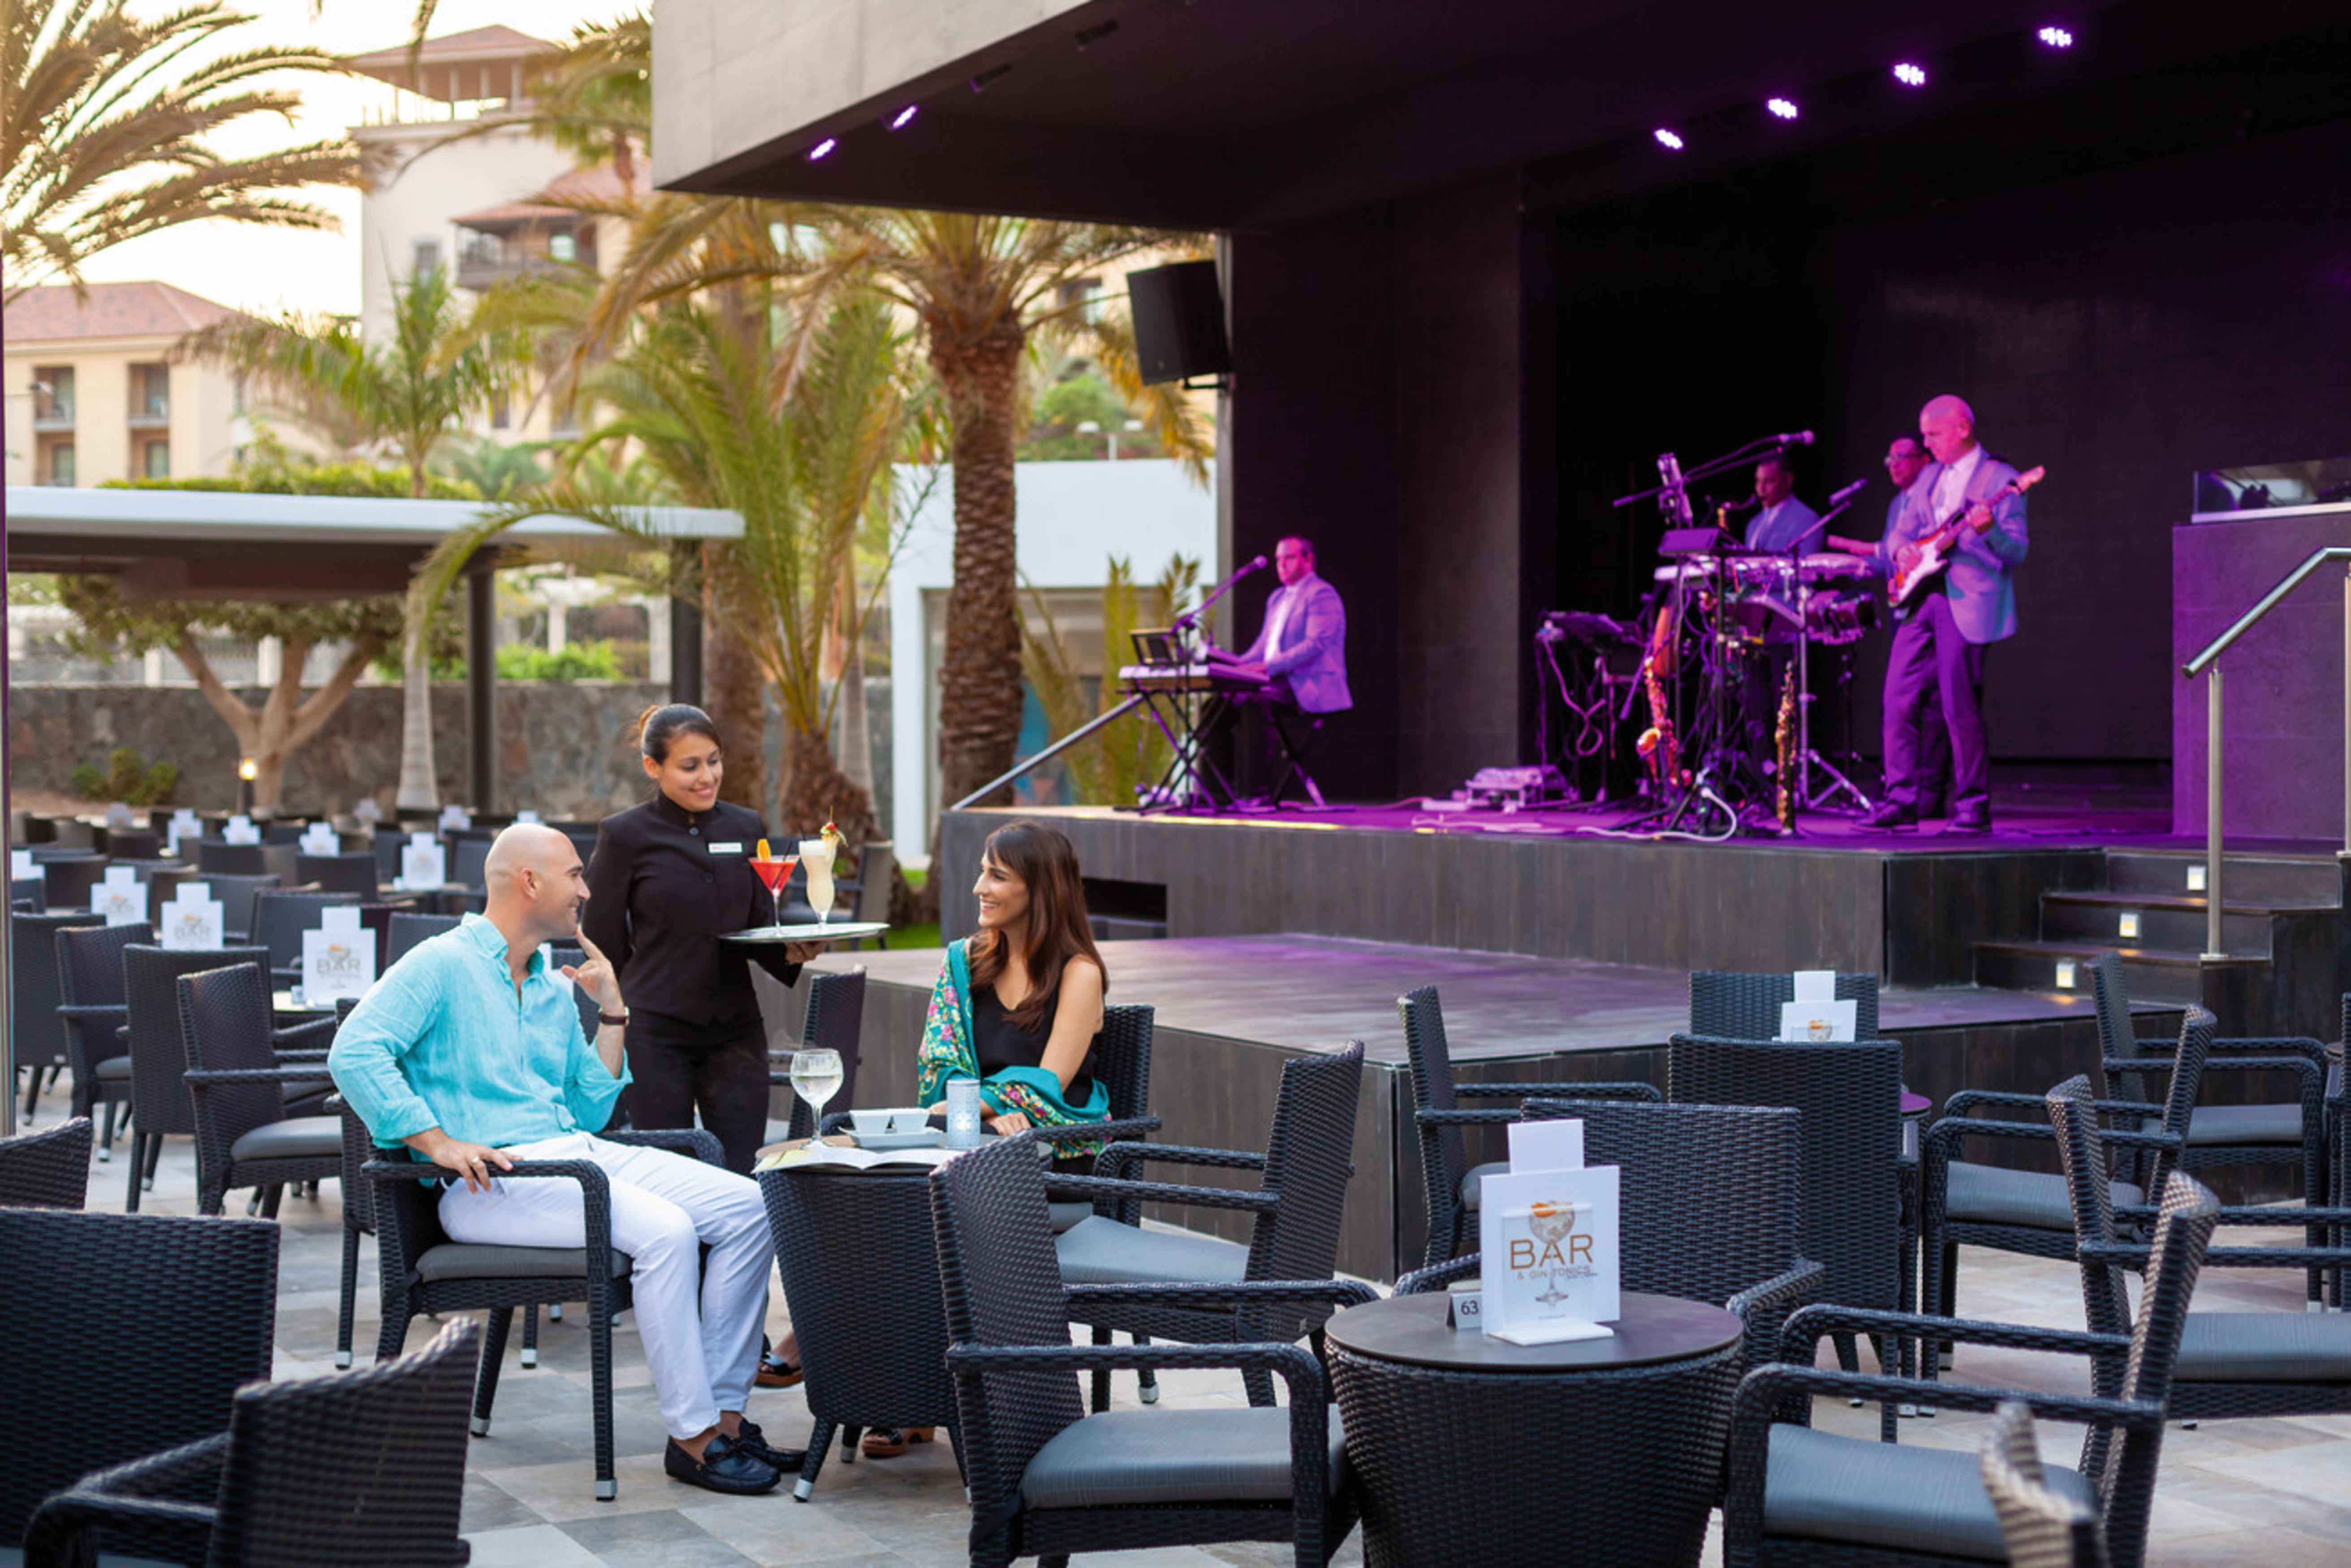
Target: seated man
1301 654
470 1052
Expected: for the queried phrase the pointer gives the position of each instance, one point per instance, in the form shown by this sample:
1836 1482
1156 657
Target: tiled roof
492 40
143 309
600 183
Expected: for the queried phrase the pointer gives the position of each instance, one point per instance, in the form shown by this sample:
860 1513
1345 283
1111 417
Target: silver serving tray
838 931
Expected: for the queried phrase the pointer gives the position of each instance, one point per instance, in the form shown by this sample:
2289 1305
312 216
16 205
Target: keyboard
1185 679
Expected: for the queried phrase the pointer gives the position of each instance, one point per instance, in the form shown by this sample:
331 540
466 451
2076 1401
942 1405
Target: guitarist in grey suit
1939 648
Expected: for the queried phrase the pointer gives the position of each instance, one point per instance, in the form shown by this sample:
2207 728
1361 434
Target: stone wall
568 749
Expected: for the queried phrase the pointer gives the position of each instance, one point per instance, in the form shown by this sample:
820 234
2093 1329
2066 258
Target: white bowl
909 1119
870 1120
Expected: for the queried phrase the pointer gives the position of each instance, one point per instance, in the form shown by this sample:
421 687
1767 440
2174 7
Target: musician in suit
1781 523
1905 459
1939 648
1301 650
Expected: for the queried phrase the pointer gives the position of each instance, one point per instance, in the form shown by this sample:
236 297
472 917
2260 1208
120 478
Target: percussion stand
1807 759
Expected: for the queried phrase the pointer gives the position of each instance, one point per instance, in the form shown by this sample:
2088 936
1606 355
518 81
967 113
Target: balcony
485 261
153 411
51 413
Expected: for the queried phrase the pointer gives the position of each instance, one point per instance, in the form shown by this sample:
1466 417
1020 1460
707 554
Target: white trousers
700 1326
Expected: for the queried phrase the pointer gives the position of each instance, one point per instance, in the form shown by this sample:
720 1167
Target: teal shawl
949 1053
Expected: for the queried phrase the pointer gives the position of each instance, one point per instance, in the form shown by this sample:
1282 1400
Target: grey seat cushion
1171 1456
1098 1252
113 1069
1475 1179
1063 1216
2265 1347
13 1557
1994 1195
1897 1496
295 1138
2210 1125
463 1260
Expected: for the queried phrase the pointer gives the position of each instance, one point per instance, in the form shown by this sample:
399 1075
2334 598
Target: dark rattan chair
92 1007
2040 1526
218 855
1732 1005
34 1026
2232 1365
1452 1182
1715 1203
836 1015
1294 1236
1850 1093
95 1304
2027 1211
278 921
1120 1054
133 843
47 1169
1048 1479
354 874
71 878
408 930
468 862
245 1135
1797 1496
30 894
422 1270
236 895
368 1468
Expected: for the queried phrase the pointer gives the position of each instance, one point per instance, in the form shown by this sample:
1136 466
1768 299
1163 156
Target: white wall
1073 517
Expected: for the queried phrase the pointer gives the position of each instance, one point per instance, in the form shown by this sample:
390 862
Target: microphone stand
1806 758
1189 621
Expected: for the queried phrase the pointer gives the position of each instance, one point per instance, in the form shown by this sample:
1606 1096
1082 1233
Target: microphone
1256 565
1849 492
1795 438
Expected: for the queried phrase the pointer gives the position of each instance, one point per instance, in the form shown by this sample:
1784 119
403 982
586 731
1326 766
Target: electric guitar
1922 561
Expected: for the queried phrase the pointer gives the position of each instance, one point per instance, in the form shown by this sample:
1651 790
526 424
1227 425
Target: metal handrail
2206 663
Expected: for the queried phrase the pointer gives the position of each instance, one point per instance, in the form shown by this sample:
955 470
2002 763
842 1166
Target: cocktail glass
817 856
774 873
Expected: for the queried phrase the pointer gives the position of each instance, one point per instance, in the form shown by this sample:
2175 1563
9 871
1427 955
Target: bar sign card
339 958
122 897
192 921
1816 1013
422 863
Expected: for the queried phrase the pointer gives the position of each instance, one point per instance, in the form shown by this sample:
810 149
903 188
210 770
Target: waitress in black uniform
667 878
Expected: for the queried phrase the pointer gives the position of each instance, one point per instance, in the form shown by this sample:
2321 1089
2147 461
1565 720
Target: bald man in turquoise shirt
470 1052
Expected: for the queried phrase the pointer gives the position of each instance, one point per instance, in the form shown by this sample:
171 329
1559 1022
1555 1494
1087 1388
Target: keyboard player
1300 652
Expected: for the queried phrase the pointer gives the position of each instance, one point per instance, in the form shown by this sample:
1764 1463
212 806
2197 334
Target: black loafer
1889 816
1969 824
749 1439
724 1467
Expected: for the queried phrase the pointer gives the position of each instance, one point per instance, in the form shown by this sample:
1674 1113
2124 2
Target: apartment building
91 393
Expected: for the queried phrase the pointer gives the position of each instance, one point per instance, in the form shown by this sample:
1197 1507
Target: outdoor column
482 682
684 652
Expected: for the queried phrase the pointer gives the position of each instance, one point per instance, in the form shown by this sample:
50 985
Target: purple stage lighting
823 148
2056 38
1781 107
1910 75
1668 139
904 117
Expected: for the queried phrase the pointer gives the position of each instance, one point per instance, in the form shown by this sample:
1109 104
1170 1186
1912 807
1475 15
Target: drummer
1781 523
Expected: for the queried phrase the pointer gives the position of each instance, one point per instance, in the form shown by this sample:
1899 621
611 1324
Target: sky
265 269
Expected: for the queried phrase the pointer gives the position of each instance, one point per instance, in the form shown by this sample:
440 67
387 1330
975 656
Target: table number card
240 830
192 921
122 897
183 825
424 864
1816 1013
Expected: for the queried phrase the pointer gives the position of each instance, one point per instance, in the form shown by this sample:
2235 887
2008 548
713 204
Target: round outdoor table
862 1283
1470 1450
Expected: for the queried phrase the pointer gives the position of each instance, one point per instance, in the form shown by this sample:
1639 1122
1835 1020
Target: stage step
2142 919
2150 974
2261 879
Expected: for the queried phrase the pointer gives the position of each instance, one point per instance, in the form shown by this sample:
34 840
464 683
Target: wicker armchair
2028 1211
1047 1480
289 1487
92 1005
2040 1527
407 930
236 895
245 1135
354 874
278 921
69 879
836 1015
2231 1363
422 1270
1732 1005
161 1105
1716 1203
1452 1182
38 1035
95 1304
1297 1204
1850 1093
47 1169
217 856
1798 1496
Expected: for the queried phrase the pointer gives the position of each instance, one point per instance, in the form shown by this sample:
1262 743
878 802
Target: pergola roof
237 545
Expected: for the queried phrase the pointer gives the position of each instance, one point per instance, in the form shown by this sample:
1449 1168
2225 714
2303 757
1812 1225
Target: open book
851 1158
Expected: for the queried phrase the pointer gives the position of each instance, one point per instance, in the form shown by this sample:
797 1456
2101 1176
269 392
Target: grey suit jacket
1980 583
1312 656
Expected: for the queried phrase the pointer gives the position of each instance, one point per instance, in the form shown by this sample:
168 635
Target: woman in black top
667 878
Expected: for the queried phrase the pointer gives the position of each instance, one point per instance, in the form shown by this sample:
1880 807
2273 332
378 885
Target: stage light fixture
1910 75
904 118
989 76
823 148
2056 38
1668 139
1781 107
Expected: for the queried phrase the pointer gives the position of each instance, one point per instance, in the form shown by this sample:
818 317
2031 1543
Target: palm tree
408 393
103 134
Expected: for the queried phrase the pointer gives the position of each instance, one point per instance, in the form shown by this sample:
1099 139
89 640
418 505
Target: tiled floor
2275 1493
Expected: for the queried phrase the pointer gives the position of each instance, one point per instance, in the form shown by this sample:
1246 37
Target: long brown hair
1040 855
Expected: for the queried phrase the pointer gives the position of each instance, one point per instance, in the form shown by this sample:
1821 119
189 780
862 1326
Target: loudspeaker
1179 321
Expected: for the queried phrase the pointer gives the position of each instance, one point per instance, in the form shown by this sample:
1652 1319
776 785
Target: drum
1835 567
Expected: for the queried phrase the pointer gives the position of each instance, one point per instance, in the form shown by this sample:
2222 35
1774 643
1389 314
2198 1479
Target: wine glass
815 1078
775 873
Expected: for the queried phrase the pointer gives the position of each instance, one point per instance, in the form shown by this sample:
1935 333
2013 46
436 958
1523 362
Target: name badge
733 849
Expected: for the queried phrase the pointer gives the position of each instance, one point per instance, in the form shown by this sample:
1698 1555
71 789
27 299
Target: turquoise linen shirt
444 1039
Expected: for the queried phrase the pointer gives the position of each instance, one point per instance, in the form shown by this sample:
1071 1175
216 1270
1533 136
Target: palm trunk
979 683
856 726
737 692
419 790
816 791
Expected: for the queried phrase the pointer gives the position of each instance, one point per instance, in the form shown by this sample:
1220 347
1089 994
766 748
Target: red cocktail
774 873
